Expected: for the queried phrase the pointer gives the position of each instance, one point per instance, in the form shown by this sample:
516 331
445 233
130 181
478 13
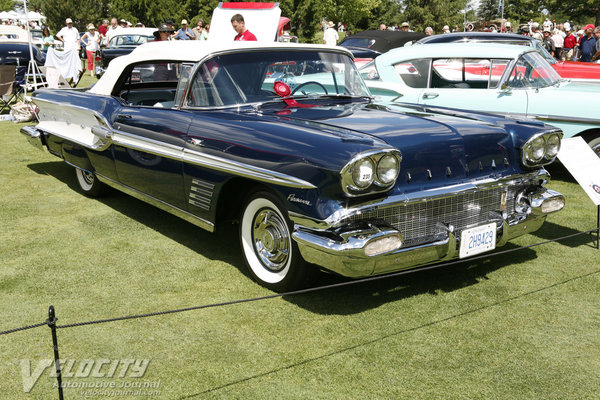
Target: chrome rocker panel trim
191 218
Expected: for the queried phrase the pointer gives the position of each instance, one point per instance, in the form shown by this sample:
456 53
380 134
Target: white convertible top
187 50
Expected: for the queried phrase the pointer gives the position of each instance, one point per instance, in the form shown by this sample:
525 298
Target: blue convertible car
285 140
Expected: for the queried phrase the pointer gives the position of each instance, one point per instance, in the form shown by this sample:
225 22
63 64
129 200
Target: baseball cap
184 22
589 26
69 21
405 24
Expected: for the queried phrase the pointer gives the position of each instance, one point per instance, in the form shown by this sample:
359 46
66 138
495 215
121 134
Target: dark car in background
367 45
566 69
14 53
121 44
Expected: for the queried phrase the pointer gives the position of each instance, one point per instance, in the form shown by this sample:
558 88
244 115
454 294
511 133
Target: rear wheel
89 183
271 255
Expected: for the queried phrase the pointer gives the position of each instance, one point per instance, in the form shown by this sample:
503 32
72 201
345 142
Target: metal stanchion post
52 324
598 228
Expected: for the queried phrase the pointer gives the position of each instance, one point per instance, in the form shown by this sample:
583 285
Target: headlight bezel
377 183
549 153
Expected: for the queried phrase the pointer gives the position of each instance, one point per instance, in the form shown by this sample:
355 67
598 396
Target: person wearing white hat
69 36
91 39
184 33
330 36
569 43
535 32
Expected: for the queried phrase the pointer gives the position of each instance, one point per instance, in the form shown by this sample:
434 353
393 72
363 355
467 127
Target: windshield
250 77
129 40
358 42
540 47
532 71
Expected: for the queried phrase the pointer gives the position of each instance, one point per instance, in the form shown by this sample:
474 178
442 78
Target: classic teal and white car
504 79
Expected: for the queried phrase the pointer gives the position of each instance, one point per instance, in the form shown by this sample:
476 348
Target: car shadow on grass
214 246
446 278
572 237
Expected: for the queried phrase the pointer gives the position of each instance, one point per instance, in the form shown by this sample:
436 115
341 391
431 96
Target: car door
473 84
148 156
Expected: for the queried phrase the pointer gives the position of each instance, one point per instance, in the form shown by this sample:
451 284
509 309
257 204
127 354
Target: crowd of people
563 41
94 38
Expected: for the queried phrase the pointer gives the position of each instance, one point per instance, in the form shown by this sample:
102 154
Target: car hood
435 145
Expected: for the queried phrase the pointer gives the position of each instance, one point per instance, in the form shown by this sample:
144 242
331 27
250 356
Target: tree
7 5
423 13
578 11
82 12
488 10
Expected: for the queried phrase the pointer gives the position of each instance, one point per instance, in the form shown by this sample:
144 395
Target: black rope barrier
303 291
51 321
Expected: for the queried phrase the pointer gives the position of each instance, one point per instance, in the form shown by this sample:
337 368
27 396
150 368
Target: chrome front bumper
348 258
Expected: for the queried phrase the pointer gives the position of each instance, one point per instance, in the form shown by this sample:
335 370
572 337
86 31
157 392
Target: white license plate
477 240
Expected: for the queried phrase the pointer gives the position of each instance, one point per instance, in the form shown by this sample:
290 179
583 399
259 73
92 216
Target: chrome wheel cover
88 177
271 240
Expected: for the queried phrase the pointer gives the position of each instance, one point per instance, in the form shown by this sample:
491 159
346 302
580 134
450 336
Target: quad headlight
371 172
541 149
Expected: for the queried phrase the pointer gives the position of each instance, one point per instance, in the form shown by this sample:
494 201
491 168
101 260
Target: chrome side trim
244 170
563 118
208 161
178 212
192 157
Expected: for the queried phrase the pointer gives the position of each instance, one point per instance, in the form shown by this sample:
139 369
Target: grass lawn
522 325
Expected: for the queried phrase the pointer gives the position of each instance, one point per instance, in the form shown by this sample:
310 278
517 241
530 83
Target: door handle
124 116
430 95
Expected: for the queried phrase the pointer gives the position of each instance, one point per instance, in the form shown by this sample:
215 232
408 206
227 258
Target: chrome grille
419 222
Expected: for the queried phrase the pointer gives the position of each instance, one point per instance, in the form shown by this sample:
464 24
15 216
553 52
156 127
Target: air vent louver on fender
201 193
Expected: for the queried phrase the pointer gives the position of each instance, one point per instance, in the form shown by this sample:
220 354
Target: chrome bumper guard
33 136
348 257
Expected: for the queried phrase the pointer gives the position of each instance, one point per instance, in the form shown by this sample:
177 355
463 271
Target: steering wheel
518 80
308 83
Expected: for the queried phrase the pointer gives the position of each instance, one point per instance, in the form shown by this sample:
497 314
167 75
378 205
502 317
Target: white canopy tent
16 17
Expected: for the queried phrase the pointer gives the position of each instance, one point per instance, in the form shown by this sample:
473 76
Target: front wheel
271 255
89 183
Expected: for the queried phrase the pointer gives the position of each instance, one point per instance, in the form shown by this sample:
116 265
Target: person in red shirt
238 24
102 29
569 46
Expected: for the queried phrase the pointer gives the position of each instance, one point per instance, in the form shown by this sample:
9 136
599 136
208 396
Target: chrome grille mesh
419 221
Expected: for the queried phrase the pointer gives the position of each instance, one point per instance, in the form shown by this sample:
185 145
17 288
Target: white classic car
506 79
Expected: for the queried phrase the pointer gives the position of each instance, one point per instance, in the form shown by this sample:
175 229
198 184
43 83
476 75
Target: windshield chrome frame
184 103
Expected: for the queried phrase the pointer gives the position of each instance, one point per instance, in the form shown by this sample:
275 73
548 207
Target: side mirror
505 88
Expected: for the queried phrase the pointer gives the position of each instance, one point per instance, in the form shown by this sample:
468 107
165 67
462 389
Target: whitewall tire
269 251
89 183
